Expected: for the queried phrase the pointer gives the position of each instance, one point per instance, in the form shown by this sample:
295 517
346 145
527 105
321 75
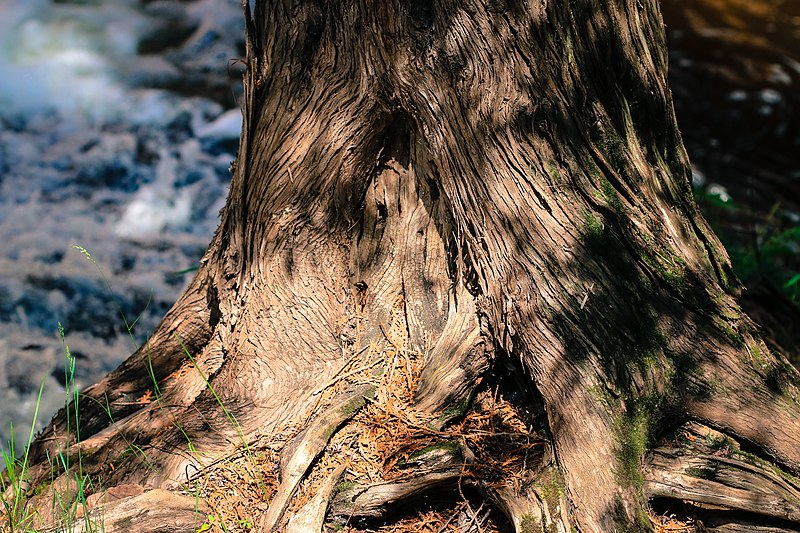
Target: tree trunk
428 194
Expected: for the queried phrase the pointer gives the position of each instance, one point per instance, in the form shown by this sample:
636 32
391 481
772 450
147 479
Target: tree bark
503 183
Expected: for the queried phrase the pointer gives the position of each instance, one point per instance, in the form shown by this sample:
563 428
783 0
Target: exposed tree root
710 471
378 499
488 449
307 447
311 517
716 520
435 515
156 511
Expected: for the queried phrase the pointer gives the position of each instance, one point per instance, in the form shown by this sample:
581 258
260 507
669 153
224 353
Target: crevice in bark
422 13
397 141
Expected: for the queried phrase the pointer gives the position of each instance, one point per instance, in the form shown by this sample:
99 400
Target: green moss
640 523
349 409
633 432
529 524
700 473
715 443
650 359
715 384
594 170
553 173
757 357
594 226
550 486
329 432
675 276
731 311
352 406
604 397
747 457
609 195
756 461
455 410
729 330
40 488
612 146
343 486
449 447
646 353
671 268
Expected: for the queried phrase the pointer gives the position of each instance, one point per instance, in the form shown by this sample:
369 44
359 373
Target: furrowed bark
709 469
508 177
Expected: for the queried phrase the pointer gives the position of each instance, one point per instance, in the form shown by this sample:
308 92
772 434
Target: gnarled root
730 488
154 510
301 453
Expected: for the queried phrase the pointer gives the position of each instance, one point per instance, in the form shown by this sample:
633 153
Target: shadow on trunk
460 255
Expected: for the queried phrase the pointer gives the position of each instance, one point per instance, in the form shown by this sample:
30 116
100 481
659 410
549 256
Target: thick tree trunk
439 190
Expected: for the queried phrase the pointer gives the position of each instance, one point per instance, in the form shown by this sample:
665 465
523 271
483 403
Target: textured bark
156 511
709 469
512 170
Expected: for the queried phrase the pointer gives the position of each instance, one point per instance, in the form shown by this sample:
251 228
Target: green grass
69 483
18 516
69 507
13 481
770 254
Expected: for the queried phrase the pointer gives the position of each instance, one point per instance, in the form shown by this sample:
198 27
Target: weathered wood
690 488
300 453
506 175
377 499
434 469
153 511
745 526
311 517
709 468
